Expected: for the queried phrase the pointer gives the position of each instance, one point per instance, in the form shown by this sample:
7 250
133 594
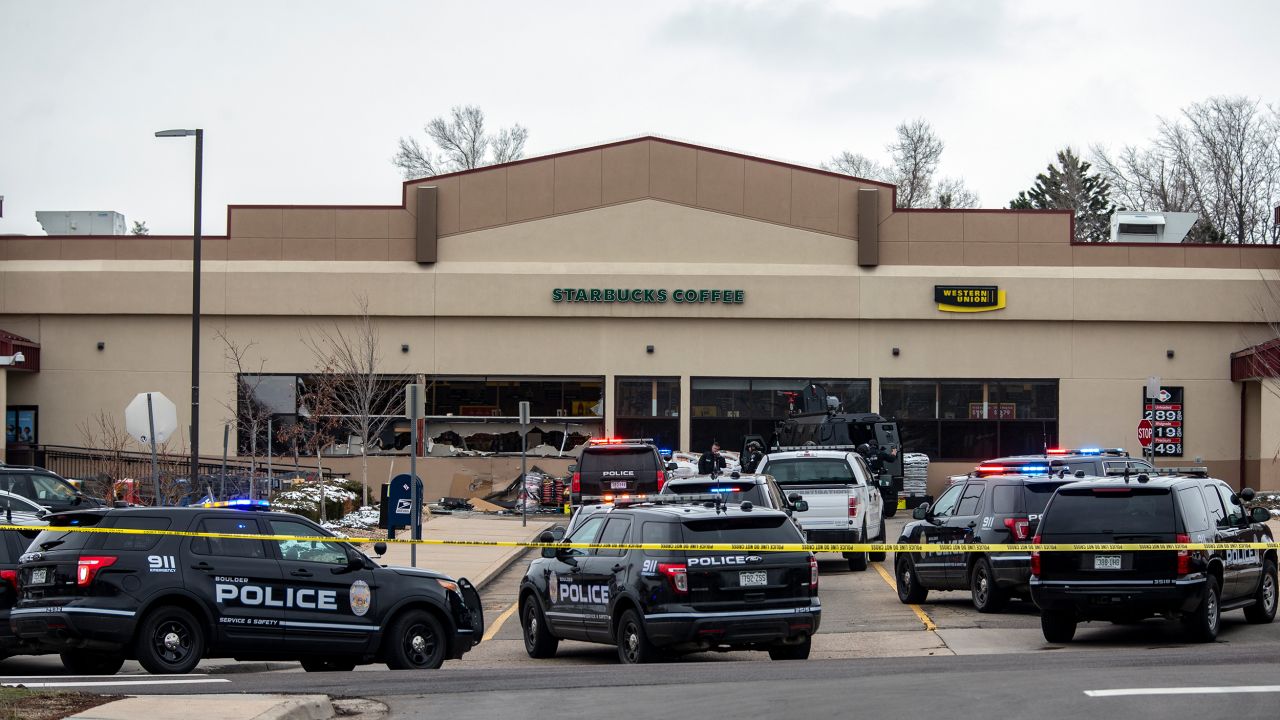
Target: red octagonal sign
1145 432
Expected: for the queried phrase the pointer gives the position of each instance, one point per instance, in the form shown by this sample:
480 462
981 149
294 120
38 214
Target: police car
651 603
168 601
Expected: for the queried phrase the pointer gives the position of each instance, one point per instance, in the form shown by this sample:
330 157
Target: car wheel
1058 626
1202 623
416 642
328 665
799 651
1263 609
170 642
538 640
634 647
910 591
988 597
859 561
880 556
82 662
890 507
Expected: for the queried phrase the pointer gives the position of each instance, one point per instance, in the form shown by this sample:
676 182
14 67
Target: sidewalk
476 563
214 707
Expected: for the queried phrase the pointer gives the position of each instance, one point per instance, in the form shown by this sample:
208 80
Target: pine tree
1069 185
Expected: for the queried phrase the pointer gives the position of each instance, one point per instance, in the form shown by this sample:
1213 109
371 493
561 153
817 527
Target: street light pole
195 299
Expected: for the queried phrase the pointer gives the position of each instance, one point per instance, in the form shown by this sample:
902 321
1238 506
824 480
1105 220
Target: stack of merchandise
552 491
915 474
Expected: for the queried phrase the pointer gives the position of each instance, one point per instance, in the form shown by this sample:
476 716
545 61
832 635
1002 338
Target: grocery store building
661 289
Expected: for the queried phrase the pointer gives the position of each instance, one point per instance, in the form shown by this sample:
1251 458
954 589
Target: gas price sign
1167 416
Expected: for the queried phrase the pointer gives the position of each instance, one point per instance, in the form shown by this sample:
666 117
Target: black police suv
44 488
651 603
168 601
613 467
1120 585
997 509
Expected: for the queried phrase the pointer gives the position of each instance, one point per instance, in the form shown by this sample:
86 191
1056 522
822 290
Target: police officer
754 455
711 460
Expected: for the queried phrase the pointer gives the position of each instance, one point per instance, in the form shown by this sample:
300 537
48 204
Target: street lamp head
174 133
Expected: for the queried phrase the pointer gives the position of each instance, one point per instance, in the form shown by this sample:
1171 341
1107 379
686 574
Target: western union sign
968 298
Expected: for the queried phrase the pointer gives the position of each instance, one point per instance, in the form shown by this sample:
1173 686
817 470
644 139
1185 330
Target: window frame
930 434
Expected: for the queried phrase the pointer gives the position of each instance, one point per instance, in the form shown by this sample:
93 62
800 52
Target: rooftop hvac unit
1129 226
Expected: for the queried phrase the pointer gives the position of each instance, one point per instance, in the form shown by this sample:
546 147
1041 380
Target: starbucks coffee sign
648 296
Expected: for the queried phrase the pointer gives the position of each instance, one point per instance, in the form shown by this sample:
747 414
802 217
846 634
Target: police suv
651 603
168 601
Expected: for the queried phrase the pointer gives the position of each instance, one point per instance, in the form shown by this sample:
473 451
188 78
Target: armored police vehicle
168 601
654 603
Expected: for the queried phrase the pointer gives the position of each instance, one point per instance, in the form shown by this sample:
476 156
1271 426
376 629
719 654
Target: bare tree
102 432
319 422
1220 159
363 398
245 411
914 155
461 143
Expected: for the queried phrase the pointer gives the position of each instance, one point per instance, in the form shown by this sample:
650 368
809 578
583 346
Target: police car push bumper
73 626
764 627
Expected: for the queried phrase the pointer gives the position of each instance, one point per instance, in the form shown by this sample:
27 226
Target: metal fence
124 475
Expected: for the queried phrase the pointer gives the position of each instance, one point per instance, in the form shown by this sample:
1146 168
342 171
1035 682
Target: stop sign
164 417
1146 431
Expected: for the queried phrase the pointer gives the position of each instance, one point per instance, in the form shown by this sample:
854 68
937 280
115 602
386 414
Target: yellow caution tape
933 548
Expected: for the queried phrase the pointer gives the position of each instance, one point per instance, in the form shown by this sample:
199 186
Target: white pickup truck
844 502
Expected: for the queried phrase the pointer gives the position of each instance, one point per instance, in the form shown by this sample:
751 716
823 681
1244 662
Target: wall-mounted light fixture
102 345
648 349
896 352
1169 353
404 347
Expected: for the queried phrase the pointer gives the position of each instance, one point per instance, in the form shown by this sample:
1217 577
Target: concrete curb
495 570
215 707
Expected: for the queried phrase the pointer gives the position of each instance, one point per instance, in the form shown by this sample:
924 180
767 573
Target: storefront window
963 420
501 396
726 410
648 408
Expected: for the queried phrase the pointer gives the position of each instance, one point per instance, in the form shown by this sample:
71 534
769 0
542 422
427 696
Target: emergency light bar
658 499
244 503
619 441
1087 451
793 448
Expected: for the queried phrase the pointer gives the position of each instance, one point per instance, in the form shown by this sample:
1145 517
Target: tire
1263 610
170 641
792 652
538 640
416 642
988 596
1202 623
880 556
910 591
634 647
328 665
1058 626
859 561
81 662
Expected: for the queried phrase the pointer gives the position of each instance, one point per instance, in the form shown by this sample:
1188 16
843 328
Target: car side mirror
1260 514
793 498
1033 526
548 537
79 499
355 561
1247 494
800 506
672 467
557 532
921 512
379 549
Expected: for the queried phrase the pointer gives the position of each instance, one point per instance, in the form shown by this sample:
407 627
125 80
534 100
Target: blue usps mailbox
399 502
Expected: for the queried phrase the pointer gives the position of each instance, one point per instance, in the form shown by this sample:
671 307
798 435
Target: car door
1242 567
931 566
869 485
565 609
958 530
604 575
237 576
334 612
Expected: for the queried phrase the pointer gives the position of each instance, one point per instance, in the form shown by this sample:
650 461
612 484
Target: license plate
39 576
618 485
1106 562
753 579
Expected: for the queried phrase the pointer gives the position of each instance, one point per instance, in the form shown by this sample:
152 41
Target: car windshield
811 471
741 529
1111 511
728 489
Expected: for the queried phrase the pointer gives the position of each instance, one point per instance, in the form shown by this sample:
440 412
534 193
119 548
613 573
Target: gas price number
1167 416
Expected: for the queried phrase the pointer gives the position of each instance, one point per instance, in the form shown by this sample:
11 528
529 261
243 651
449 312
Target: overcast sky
302 102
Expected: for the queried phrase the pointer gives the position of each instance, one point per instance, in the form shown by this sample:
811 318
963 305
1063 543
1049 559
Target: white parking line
1121 692
110 683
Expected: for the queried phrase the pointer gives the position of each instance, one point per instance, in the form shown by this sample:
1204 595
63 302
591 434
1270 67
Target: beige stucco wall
485 309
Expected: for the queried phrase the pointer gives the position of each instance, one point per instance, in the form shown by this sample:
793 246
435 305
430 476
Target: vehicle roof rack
1187 470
